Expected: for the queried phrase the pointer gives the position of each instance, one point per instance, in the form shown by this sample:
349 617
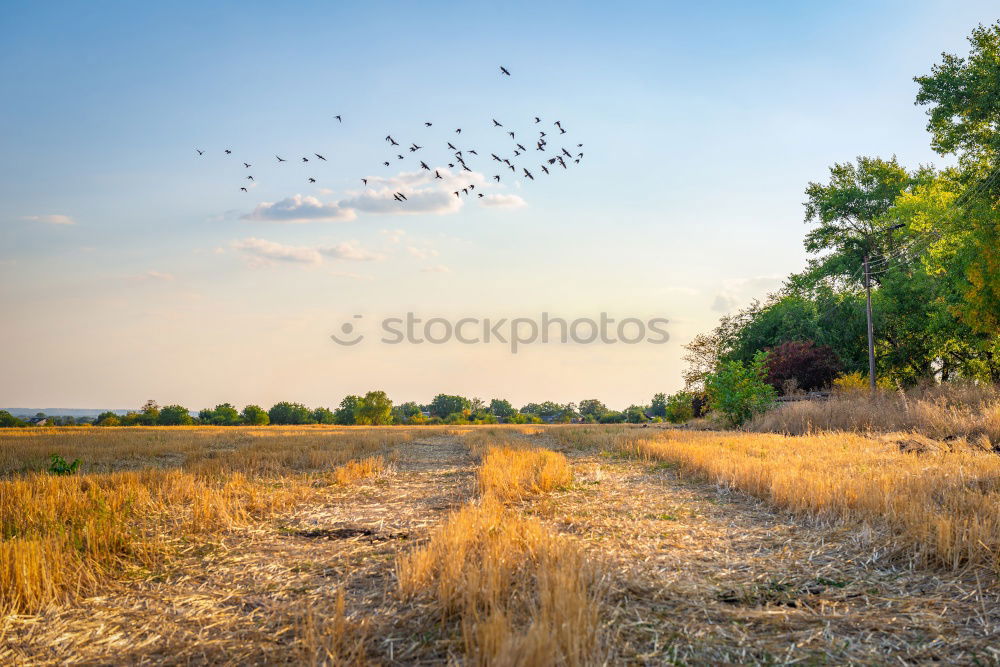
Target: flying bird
423 165
391 141
312 180
511 134
545 169
396 196
528 174
414 148
200 152
386 163
400 157
401 196
503 70
456 194
320 157
537 119
494 156
249 178
338 119
365 180
465 190
558 124
451 147
473 152
458 131
481 195
566 153
281 159
305 159
247 165
497 178
437 175
427 124
496 124
243 189
228 152
521 147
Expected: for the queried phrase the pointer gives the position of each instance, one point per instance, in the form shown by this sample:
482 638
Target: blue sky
129 268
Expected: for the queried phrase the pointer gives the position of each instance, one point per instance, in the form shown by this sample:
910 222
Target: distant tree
345 413
225 414
150 413
679 407
612 417
807 365
635 414
405 412
658 408
107 414
254 415
375 409
289 413
8 420
323 416
593 409
444 405
174 415
501 408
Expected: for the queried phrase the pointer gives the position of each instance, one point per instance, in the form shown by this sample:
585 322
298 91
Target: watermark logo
515 332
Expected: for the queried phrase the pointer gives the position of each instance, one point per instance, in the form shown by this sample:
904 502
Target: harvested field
497 545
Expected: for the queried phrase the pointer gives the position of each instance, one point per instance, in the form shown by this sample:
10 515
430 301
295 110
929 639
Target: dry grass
524 595
968 412
942 508
514 474
64 535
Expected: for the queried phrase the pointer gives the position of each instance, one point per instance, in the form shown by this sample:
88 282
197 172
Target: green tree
502 409
323 416
225 414
8 420
174 415
679 407
375 409
593 409
445 404
289 413
254 415
344 415
150 414
405 412
738 391
658 406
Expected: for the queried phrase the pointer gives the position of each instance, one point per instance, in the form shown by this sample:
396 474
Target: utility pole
871 333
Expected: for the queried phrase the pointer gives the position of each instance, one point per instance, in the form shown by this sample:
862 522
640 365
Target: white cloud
424 192
350 275
351 250
52 219
502 201
267 253
437 268
421 253
723 303
393 235
300 209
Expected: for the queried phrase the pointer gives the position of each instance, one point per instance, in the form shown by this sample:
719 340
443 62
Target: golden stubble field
500 545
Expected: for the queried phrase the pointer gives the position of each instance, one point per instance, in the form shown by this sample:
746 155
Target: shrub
58 466
850 383
802 364
290 413
739 392
174 415
8 420
254 415
679 407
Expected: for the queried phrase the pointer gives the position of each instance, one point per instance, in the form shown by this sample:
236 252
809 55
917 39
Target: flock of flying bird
558 157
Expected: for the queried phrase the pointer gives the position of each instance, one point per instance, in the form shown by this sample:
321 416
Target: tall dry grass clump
513 474
941 507
946 411
524 596
354 471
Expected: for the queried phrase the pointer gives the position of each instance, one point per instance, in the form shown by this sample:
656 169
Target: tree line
373 409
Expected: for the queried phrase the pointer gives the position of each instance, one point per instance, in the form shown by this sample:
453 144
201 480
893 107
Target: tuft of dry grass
330 637
523 595
353 471
512 474
940 507
950 411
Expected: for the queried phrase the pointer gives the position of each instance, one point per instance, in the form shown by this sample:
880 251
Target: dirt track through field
697 574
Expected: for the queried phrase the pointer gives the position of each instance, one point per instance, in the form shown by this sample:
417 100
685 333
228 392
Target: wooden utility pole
871 333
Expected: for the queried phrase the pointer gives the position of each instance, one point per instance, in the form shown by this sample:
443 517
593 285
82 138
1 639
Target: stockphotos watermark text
514 332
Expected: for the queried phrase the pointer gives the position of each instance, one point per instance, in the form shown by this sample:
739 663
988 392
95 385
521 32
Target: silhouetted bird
437 175
511 134
496 124
414 148
562 131
281 159
458 131
396 197
200 152
400 157
456 194
494 156
451 147
473 152
228 152
427 124
503 70
497 178
249 178
512 168
391 140
338 119
243 189
481 195
537 119
247 165
320 157
465 190
545 169
472 186
528 174
365 181
423 165
386 163
566 153
558 124
521 147
305 159
312 180
403 196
